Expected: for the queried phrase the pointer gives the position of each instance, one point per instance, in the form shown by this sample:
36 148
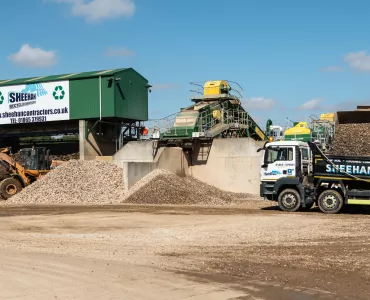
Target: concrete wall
135 151
229 164
232 165
95 145
136 159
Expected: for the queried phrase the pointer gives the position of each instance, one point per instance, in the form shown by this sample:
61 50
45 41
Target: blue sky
293 59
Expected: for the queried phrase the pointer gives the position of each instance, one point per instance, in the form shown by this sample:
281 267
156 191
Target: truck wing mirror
264 166
264 146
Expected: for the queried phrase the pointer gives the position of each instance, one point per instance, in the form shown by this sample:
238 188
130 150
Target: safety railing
183 125
219 115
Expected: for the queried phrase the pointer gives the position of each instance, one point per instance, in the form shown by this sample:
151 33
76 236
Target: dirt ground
182 252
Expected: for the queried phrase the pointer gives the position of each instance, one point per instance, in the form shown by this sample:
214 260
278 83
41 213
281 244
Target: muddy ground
182 252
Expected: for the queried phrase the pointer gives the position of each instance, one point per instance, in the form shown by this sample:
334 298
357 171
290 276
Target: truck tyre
330 202
289 200
9 187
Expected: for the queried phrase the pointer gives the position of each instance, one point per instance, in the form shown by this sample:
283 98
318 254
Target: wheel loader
33 163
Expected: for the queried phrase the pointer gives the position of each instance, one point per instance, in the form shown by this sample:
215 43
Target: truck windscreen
274 154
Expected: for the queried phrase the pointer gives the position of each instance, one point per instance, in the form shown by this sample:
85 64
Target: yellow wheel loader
32 165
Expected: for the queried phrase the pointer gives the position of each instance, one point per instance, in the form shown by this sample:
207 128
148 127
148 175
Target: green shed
117 94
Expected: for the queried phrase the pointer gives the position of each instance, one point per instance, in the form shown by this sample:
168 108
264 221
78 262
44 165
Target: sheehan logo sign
27 96
34 102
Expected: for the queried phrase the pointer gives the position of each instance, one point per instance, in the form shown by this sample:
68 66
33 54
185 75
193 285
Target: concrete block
170 159
141 151
134 171
232 165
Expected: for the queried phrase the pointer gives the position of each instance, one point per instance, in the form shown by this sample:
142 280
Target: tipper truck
298 175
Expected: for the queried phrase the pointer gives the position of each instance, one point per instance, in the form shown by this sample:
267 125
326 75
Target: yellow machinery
299 132
330 117
34 164
216 87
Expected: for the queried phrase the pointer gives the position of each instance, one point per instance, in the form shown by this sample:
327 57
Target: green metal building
109 94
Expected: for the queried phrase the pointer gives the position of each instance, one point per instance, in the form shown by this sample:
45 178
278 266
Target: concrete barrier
135 151
136 159
229 164
232 165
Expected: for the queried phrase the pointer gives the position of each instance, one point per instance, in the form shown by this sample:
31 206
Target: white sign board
34 102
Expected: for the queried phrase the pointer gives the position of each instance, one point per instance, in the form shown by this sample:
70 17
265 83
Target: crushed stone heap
351 140
164 187
75 182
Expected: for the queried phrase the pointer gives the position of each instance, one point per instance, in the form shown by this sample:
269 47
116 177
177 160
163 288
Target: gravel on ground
183 252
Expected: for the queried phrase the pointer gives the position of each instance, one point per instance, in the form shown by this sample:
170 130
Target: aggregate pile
75 182
62 157
66 157
351 140
164 187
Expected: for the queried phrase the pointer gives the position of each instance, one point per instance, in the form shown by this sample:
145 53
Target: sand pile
163 187
75 182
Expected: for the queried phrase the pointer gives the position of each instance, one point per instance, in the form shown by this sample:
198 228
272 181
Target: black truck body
350 173
344 165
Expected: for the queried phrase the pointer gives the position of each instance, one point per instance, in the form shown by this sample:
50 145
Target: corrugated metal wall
131 96
126 98
85 98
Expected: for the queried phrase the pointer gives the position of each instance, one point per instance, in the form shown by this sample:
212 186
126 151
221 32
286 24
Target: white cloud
358 61
331 69
33 57
97 10
311 105
259 103
119 52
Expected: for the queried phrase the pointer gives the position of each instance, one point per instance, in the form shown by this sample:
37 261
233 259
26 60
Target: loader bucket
361 115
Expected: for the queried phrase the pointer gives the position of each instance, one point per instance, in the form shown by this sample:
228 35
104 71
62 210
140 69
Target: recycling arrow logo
1 98
59 93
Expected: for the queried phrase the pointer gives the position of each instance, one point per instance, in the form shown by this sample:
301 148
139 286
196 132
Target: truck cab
285 159
285 164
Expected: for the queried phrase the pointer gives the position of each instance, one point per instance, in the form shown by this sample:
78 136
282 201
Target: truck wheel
9 187
330 202
289 200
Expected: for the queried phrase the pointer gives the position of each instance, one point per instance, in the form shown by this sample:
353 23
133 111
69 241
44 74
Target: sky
293 59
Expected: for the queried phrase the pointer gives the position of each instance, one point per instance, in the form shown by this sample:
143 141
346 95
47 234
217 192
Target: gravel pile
75 182
352 140
66 157
164 187
63 157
